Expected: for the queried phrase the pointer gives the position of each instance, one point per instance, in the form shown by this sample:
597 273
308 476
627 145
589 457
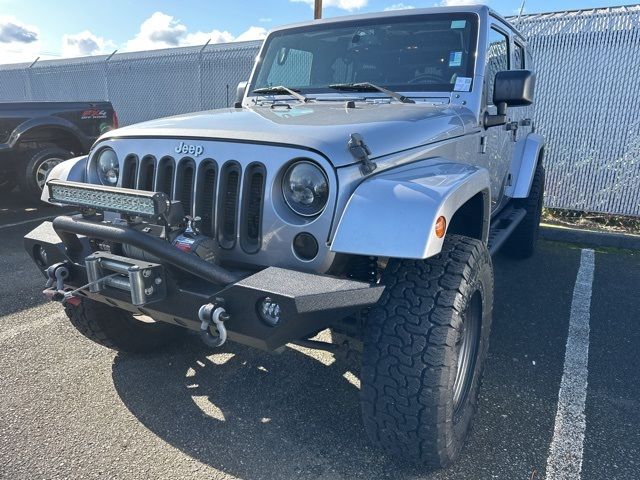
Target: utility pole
317 12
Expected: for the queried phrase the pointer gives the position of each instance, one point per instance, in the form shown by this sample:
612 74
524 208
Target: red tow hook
61 296
72 300
56 290
51 294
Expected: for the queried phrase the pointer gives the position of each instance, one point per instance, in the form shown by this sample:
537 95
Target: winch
192 241
144 280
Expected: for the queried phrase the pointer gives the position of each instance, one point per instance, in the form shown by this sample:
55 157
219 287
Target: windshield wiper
370 87
283 90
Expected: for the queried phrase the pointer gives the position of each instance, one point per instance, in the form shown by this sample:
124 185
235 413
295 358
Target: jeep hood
324 126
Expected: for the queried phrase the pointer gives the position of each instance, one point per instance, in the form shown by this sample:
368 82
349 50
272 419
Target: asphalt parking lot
72 409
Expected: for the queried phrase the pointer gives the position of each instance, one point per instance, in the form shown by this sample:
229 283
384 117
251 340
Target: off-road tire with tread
34 158
522 242
118 329
410 356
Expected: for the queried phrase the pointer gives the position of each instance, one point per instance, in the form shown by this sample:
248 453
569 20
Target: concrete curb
589 237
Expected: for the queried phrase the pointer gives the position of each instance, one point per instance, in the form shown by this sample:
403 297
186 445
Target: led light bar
109 199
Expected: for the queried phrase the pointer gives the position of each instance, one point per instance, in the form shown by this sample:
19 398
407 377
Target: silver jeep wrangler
371 166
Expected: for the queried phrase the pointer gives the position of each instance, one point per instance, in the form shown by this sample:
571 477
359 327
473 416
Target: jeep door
523 116
499 142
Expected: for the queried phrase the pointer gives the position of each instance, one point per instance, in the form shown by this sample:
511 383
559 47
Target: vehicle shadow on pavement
257 415
253 414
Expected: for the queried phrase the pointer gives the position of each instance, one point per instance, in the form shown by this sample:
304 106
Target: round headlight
305 188
108 167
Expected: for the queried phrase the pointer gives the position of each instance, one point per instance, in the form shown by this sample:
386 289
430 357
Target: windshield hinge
361 152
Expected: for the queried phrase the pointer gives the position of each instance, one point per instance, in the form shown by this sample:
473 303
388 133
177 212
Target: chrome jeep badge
186 149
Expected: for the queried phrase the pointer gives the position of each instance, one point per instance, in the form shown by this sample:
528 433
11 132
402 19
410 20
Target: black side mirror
512 88
242 86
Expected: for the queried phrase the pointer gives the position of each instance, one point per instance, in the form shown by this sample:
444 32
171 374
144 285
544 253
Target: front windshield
434 52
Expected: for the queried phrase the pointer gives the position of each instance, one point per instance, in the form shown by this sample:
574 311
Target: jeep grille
228 199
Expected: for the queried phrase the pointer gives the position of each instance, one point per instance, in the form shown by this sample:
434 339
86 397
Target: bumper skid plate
307 303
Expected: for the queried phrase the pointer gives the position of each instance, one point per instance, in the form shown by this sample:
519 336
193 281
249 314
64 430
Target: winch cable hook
55 289
56 276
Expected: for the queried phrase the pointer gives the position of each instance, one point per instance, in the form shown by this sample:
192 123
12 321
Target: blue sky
64 28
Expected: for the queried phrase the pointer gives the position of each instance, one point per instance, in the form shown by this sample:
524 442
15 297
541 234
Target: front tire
39 164
120 330
424 348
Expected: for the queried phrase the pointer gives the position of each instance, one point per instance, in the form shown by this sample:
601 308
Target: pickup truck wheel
120 330
39 164
522 242
424 348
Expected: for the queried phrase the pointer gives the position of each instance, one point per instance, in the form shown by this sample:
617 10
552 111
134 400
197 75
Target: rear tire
120 330
424 348
522 242
39 165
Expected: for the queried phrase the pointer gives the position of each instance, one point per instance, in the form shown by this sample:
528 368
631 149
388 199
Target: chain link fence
588 100
141 85
588 106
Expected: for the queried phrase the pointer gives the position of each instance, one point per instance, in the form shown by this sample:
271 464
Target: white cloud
19 42
11 30
398 6
200 38
84 44
457 3
348 5
164 31
158 31
253 33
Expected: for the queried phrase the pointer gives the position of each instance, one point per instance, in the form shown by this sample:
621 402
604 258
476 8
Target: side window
518 57
291 68
497 59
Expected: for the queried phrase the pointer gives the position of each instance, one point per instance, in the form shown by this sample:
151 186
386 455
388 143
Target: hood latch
361 152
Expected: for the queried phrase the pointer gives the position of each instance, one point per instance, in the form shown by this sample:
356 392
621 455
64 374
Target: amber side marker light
441 227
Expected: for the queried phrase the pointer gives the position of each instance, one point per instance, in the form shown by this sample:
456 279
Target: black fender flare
48 122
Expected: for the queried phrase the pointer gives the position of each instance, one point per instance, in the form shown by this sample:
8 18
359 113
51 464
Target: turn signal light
441 227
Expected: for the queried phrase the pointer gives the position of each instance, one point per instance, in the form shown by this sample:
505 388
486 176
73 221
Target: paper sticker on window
455 59
458 23
463 84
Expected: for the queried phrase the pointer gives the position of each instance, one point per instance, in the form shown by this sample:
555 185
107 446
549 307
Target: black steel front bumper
308 302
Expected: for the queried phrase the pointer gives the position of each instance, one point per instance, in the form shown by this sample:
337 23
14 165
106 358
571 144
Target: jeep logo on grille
187 149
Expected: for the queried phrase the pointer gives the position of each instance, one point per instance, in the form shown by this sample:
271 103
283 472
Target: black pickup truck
36 136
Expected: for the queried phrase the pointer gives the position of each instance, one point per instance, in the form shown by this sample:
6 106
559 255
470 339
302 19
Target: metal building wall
588 96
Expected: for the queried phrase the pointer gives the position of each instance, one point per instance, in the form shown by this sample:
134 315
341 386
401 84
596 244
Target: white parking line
565 454
41 219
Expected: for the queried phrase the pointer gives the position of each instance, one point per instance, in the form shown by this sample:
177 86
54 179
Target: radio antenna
521 10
